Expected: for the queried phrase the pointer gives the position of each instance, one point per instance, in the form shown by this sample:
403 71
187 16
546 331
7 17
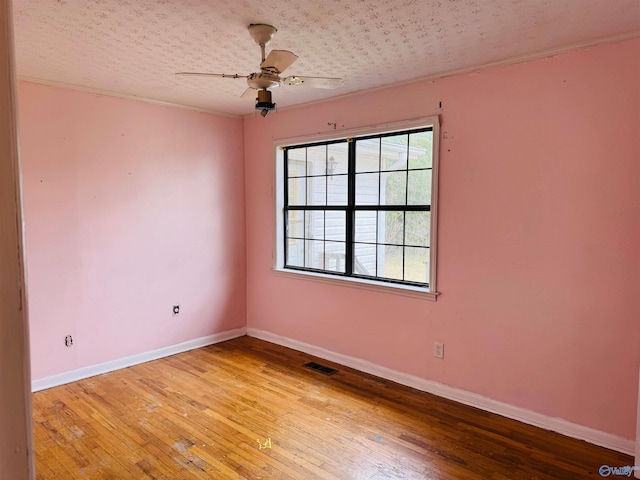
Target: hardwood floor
248 409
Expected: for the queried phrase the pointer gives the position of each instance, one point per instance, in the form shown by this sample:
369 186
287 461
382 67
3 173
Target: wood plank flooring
248 409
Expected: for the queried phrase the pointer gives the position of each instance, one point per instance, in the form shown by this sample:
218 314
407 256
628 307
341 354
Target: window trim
430 292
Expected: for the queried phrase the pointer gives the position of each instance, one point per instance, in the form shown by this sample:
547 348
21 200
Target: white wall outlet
438 349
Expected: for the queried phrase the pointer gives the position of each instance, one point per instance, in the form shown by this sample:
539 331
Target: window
361 208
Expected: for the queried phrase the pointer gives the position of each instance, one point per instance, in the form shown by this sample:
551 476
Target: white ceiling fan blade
279 60
250 93
314 82
204 74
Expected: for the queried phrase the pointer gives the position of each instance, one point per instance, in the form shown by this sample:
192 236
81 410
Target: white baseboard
92 370
559 425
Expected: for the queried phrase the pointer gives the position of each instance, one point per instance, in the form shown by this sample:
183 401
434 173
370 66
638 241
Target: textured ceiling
134 47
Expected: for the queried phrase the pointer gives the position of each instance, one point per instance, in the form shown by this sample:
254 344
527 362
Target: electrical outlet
68 341
176 310
438 349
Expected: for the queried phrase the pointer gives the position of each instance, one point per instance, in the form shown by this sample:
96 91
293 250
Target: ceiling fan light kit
263 103
271 67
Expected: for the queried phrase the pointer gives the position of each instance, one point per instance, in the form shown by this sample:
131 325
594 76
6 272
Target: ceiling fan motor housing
263 80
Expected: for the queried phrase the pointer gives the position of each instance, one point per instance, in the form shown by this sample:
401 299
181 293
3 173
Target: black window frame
352 207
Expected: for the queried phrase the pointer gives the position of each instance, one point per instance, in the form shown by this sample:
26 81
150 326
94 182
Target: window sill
394 289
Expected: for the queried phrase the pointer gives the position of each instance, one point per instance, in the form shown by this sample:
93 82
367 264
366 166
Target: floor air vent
320 368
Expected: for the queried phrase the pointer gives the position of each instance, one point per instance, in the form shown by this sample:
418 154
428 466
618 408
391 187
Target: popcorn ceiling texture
134 47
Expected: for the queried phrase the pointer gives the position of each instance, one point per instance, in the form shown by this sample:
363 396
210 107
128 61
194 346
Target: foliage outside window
361 207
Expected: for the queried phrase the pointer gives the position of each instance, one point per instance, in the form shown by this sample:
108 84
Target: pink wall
539 259
130 208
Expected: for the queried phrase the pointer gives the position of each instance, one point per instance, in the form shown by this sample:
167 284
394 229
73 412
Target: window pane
420 150
365 226
339 152
390 262
391 173
394 152
314 225
295 223
367 188
417 226
416 264
368 155
419 186
317 191
295 253
391 227
334 257
365 259
317 160
297 191
296 161
314 254
393 189
337 185
335 226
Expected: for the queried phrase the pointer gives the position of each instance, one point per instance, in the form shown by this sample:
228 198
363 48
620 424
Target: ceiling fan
270 69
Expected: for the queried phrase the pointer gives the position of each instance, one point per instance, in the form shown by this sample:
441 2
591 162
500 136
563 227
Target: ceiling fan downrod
262 35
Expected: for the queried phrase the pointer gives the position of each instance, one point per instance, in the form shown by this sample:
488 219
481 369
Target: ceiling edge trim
543 54
124 97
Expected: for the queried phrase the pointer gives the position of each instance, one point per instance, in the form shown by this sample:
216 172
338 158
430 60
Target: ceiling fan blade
279 60
203 74
250 93
314 82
